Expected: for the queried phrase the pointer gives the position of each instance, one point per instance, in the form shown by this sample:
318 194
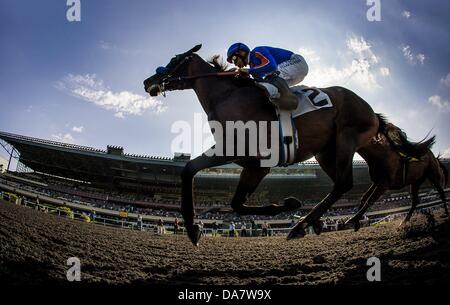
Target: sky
81 82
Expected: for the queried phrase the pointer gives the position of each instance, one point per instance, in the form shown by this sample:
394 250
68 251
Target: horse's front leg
187 204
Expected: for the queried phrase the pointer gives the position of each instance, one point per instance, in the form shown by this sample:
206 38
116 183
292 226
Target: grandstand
110 181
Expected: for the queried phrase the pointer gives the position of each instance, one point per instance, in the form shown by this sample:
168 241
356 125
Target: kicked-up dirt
34 248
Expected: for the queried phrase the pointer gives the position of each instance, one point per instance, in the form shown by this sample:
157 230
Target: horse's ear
195 49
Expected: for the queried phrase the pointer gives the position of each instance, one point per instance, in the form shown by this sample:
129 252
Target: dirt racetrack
34 247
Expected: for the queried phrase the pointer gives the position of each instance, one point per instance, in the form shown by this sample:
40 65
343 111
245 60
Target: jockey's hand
243 71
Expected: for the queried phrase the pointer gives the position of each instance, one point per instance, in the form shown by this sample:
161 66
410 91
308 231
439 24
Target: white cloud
89 88
357 44
107 46
408 54
358 67
446 153
384 71
445 81
309 54
411 57
406 14
361 48
66 138
119 115
421 58
440 103
78 129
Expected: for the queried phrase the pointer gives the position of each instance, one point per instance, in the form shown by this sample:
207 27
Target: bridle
168 78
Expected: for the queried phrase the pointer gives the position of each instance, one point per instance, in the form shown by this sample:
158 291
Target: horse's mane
399 140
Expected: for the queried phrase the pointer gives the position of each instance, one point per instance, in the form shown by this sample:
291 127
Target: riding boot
287 100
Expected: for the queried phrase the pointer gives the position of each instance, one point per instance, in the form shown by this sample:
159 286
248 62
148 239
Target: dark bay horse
394 163
332 135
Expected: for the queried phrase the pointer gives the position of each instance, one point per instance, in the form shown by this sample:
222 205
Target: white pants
161 230
293 70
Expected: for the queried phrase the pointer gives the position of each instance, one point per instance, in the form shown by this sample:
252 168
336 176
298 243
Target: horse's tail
401 142
444 170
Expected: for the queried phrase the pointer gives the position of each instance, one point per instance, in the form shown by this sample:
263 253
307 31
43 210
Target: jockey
275 70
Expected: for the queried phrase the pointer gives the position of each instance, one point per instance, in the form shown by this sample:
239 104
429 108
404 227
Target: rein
181 78
229 73
169 79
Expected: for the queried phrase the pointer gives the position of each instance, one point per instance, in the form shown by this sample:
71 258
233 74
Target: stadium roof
87 163
111 165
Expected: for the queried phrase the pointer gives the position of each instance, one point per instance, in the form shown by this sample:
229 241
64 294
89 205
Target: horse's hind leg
378 190
248 182
346 144
443 198
363 201
437 184
441 195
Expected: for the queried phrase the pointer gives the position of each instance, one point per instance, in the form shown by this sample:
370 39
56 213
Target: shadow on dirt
426 265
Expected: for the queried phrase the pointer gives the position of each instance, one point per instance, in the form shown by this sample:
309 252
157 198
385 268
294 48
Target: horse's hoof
292 204
355 223
296 232
317 227
194 234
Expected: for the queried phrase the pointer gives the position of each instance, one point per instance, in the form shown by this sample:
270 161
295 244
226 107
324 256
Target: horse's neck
209 90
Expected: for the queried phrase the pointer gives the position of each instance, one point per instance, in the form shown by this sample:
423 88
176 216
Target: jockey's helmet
234 50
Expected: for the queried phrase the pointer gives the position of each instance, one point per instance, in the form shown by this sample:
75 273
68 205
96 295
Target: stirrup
271 91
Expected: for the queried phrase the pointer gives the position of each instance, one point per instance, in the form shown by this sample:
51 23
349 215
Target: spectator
93 216
202 228
176 226
243 229
269 230
215 227
232 229
160 227
253 228
139 222
264 227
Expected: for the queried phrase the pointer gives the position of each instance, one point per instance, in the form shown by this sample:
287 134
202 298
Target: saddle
308 99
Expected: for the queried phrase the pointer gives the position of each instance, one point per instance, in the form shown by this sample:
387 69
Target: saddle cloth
309 99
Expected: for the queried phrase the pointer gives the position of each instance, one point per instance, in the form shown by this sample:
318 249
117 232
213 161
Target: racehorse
394 163
332 135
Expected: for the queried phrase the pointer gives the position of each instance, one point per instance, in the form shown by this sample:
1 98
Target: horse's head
170 77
